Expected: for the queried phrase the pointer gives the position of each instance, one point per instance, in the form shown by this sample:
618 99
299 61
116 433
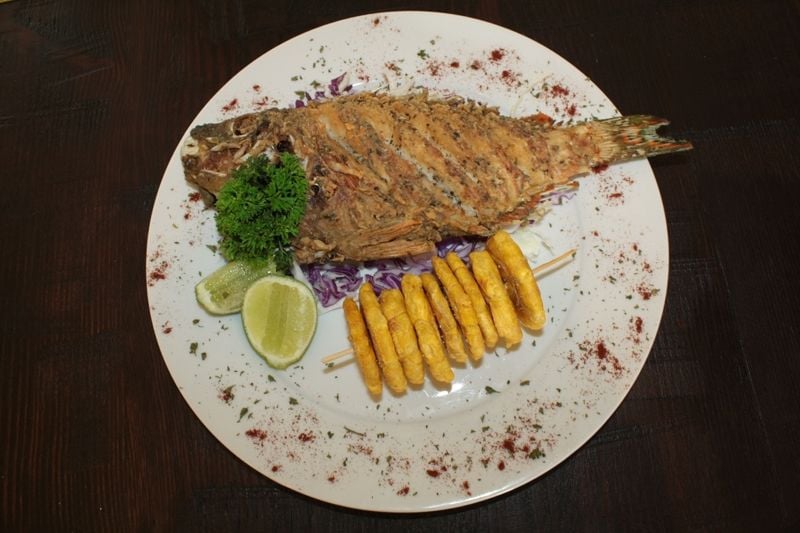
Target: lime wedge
222 293
280 316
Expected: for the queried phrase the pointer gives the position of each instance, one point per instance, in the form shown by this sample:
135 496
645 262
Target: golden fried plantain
402 330
470 286
505 317
359 338
421 315
381 339
444 317
519 279
462 308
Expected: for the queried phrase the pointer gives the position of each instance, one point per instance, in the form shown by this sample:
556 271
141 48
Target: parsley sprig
260 208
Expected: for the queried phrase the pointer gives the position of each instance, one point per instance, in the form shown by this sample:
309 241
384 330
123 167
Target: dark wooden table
94 435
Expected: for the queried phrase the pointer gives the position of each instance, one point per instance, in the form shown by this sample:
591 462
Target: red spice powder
276 468
158 273
433 473
571 110
645 292
509 78
497 54
501 465
509 445
226 395
404 491
306 437
230 106
455 64
638 324
257 88
194 197
465 486
599 168
261 102
331 478
475 65
605 360
256 434
360 448
614 195
559 90
602 351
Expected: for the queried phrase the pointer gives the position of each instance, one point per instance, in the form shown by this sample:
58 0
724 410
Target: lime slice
222 292
279 315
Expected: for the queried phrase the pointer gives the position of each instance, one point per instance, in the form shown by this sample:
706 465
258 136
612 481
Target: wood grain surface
95 436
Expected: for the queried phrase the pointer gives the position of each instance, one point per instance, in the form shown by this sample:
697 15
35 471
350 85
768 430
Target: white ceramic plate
503 423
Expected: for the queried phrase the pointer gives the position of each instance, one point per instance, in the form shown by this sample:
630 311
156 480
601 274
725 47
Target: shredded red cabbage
334 89
333 281
333 86
558 196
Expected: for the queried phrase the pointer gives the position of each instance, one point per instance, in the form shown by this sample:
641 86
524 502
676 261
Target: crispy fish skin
473 291
359 339
392 175
382 340
430 344
403 335
505 317
444 317
462 307
519 279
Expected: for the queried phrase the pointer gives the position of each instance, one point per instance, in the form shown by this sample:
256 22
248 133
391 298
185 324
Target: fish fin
634 136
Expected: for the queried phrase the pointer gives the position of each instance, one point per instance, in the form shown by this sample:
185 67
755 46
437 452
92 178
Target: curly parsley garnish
260 208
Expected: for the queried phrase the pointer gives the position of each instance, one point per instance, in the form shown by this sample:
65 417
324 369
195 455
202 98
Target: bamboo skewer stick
332 357
556 260
537 270
328 359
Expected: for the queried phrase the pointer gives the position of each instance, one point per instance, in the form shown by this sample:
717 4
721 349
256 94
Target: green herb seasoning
259 210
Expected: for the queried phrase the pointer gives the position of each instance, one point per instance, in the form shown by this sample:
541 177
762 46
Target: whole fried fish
390 176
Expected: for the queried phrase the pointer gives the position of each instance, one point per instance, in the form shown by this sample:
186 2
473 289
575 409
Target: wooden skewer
538 270
544 266
334 356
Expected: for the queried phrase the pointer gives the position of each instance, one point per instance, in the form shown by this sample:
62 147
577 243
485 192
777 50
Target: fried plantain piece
359 338
381 339
405 339
421 315
462 308
519 279
470 286
505 317
444 317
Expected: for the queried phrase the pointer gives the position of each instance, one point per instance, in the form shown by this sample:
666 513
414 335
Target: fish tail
634 136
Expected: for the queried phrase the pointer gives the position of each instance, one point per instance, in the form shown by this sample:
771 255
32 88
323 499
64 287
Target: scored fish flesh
390 176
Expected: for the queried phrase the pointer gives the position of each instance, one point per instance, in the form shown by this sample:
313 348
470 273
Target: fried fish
390 176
